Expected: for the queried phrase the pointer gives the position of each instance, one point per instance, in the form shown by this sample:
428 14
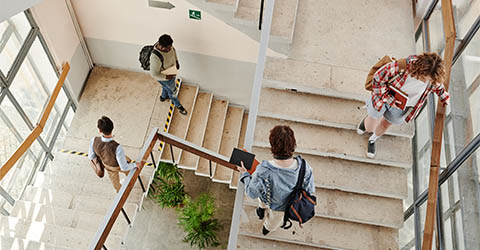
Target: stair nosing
321 123
340 156
358 221
282 85
303 243
197 90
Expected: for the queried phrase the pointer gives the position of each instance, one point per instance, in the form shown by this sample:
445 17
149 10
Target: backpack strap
402 65
301 174
157 53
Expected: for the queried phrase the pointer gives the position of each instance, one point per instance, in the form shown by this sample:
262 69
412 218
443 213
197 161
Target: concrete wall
57 27
212 53
9 8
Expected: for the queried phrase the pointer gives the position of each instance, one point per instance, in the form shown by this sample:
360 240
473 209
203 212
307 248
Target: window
28 79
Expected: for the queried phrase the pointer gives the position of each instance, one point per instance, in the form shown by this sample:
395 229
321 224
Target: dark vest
106 151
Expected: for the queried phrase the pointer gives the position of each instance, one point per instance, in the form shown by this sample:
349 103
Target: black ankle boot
265 231
260 213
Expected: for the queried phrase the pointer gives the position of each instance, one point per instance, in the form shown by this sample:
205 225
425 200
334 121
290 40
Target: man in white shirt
109 152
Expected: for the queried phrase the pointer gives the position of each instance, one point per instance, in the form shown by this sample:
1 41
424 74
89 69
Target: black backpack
145 56
300 204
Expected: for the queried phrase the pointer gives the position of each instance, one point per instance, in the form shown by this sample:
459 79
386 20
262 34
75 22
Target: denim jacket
273 185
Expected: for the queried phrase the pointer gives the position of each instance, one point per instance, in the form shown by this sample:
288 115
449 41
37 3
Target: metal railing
103 231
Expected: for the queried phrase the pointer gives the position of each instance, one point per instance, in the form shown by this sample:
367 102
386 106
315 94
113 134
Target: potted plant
169 190
196 218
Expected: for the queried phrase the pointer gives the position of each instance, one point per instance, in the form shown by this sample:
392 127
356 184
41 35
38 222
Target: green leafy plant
196 218
168 172
168 189
170 193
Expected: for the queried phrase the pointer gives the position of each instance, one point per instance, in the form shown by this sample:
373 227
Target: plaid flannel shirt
381 95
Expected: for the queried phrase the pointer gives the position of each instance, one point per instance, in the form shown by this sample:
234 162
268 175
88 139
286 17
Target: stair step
99 188
249 3
85 172
13 243
241 144
253 243
283 21
247 14
371 210
340 141
325 233
213 134
71 238
65 217
197 130
318 109
309 75
180 124
230 136
351 176
85 203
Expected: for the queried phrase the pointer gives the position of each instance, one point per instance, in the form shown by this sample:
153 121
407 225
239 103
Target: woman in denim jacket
274 180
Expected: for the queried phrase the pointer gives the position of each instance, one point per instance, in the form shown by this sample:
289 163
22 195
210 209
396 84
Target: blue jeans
168 89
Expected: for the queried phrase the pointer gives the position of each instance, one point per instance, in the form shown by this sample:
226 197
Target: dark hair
282 142
105 125
165 40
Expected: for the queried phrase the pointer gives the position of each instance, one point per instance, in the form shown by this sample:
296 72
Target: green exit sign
195 14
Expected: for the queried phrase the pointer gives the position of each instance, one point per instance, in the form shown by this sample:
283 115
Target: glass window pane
466 12
435 26
407 234
13 32
29 91
423 170
459 223
409 201
13 118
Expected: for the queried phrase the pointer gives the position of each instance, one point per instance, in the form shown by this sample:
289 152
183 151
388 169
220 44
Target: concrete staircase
65 206
212 123
244 16
359 199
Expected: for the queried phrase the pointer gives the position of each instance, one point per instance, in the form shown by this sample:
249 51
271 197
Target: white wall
115 30
9 8
56 26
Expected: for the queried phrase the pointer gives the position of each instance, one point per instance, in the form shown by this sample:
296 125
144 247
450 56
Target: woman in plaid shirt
424 74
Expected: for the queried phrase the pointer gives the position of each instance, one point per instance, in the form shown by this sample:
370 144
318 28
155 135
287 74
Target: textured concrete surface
180 123
230 137
197 128
213 134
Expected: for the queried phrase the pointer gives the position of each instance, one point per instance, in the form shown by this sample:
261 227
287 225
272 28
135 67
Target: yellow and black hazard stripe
170 114
73 152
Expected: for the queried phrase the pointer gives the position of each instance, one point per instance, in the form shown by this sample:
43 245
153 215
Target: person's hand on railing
242 168
138 165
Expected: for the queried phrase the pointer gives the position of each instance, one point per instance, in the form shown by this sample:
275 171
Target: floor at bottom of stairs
156 227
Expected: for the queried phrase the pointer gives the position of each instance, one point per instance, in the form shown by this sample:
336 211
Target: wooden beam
449 31
195 149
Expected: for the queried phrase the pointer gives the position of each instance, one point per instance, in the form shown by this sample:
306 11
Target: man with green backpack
399 89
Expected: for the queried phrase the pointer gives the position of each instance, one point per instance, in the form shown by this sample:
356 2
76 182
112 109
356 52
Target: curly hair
429 65
282 142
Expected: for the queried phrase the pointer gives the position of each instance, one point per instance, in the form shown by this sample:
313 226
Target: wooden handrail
110 218
195 149
450 34
38 128
123 194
